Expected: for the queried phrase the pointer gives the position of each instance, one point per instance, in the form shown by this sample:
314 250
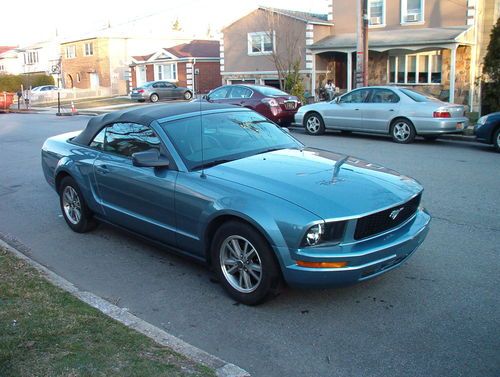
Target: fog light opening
321 264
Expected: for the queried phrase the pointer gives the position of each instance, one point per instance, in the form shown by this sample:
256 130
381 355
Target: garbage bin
6 99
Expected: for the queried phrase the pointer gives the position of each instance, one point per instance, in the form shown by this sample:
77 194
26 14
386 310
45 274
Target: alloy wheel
401 131
313 124
72 205
240 264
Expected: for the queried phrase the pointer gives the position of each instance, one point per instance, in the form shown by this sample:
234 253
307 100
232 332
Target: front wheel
73 207
314 124
496 140
244 263
188 96
402 131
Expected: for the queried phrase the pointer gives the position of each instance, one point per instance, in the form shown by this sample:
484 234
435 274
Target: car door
137 198
240 96
220 95
161 89
346 113
171 91
380 108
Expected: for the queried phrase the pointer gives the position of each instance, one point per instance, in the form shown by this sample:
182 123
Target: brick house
195 65
432 45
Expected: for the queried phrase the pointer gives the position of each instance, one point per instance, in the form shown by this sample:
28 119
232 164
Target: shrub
12 83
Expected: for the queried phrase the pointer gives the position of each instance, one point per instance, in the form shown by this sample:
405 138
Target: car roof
145 115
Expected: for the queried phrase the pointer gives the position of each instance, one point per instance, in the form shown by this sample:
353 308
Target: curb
122 315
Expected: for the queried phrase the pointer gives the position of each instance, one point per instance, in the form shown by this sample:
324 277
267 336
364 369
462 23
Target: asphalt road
438 315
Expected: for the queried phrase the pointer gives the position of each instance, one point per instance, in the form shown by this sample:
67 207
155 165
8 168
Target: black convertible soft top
144 115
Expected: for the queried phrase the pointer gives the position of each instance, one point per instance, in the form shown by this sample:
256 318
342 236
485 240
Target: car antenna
201 137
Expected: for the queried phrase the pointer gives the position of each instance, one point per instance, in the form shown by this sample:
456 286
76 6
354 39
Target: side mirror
151 158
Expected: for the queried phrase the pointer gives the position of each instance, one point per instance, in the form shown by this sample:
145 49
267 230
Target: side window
159 85
240 92
98 141
384 96
219 93
128 138
357 96
169 85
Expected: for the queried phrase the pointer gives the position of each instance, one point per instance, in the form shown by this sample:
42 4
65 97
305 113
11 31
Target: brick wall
181 74
209 76
150 72
133 79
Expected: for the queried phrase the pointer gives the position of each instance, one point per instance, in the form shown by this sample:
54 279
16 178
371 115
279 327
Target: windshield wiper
210 164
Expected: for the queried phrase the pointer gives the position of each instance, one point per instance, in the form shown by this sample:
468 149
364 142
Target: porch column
349 71
453 62
313 76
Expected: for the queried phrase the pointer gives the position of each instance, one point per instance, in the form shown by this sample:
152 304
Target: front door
94 80
346 114
138 198
140 75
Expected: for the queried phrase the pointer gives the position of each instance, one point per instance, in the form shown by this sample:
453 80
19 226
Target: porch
434 60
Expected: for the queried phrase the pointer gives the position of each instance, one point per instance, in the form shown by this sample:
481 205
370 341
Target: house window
70 52
422 68
376 12
89 49
412 11
260 43
31 57
166 72
2 68
78 78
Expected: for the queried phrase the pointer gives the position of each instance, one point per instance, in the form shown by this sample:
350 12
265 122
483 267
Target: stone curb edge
221 367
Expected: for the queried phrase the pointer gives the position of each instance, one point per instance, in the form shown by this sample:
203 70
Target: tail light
271 102
140 91
441 114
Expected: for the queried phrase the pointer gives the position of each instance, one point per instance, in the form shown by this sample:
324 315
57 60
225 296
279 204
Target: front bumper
365 259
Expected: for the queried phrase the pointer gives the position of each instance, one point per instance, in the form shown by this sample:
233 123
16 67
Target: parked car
156 90
400 112
226 186
44 88
487 130
274 104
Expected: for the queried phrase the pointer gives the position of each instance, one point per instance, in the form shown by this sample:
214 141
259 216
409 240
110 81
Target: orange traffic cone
73 109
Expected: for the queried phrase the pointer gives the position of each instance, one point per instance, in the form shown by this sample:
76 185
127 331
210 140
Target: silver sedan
400 112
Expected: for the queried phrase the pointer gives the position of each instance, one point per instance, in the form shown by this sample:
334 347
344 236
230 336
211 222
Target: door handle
356 109
391 109
102 169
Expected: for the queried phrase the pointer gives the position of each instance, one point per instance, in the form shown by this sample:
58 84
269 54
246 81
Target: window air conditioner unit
412 17
375 20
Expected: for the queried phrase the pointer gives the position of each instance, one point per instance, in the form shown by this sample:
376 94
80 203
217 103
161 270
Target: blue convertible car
226 186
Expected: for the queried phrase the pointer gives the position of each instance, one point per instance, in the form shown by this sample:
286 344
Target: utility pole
362 44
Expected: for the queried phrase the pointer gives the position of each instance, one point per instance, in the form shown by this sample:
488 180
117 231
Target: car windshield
227 136
418 96
270 91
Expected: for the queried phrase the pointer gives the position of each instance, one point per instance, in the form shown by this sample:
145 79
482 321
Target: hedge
12 83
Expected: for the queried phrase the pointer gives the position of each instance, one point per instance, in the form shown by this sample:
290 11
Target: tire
154 97
73 207
496 140
188 95
248 279
430 138
403 131
314 124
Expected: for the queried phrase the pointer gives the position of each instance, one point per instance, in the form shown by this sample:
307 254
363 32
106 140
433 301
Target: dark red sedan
273 103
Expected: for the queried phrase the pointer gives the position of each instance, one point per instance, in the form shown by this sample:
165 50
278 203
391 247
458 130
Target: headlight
481 121
331 232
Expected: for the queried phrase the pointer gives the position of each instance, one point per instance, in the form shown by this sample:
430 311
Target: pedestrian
330 90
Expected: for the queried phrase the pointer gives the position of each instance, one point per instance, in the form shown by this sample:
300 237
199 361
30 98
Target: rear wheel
314 124
496 140
73 207
188 96
244 263
154 97
402 131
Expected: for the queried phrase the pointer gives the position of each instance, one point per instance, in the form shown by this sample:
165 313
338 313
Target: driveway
438 315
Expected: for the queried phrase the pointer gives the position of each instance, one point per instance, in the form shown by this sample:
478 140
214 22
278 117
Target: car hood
311 180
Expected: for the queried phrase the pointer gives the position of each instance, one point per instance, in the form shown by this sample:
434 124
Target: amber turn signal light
321 264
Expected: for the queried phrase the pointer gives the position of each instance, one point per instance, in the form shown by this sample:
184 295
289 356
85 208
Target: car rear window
418 96
270 91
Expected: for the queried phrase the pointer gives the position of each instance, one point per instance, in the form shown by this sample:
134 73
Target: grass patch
45 331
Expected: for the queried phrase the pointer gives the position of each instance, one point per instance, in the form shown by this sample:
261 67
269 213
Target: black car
487 130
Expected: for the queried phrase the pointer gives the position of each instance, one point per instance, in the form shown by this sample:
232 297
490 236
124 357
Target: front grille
290 105
390 218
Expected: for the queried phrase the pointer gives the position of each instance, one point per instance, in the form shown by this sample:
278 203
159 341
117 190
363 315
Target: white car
400 112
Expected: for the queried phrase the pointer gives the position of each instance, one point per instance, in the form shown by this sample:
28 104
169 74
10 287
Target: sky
31 21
